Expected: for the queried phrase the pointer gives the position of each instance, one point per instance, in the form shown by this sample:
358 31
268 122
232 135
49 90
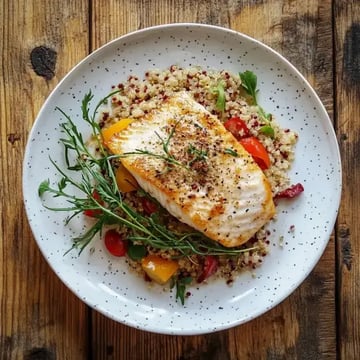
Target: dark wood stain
109 350
293 39
12 138
351 58
212 347
308 342
40 354
345 243
6 346
43 61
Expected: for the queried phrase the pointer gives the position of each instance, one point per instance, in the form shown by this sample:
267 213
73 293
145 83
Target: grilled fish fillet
197 170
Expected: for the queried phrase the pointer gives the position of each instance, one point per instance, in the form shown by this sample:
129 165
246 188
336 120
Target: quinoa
138 96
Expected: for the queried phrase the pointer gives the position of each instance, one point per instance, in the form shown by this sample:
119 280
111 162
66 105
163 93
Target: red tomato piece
149 206
237 127
115 243
290 192
257 150
210 267
94 212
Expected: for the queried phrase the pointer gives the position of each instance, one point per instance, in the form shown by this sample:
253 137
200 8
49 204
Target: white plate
102 281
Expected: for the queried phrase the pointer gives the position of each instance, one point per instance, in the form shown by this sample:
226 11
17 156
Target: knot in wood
43 61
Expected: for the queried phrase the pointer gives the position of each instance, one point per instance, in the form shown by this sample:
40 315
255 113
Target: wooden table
40 318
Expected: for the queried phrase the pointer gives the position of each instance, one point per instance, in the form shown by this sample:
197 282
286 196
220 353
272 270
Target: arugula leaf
181 287
249 83
220 91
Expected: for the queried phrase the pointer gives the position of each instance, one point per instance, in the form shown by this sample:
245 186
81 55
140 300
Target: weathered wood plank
347 50
303 326
40 318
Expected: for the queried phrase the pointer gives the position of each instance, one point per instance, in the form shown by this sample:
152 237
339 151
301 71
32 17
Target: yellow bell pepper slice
125 181
158 269
108 132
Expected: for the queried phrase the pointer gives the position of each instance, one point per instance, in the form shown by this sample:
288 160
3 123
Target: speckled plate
104 282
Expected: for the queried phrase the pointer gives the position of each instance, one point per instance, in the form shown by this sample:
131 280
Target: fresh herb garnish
219 90
136 252
249 83
231 152
43 187
98 177
167 156
180 284
267 130
198 154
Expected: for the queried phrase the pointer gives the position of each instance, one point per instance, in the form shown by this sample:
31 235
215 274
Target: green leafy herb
267 130
43 187
98 177
219 90
199 154
249 83
231 152
167 156
181 288
136 252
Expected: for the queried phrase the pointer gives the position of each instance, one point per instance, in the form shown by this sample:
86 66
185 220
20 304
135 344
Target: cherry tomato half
237 127
115 243
148 206
94 212
210 267
257 150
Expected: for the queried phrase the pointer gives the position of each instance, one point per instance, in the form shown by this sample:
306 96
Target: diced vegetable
149 206
107 133
237 127
125 181
290 192
257 150
210 267
158 269
115 244
94 212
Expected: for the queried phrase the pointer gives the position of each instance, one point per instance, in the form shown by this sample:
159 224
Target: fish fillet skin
224 196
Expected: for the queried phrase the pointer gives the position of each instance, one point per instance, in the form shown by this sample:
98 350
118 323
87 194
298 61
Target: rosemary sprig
198 154
168 159
231 152
97 176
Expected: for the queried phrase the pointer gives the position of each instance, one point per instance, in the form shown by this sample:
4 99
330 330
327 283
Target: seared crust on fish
184 157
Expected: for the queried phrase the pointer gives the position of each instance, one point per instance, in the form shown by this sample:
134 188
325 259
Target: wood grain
304 325
39 317
36 308
347 87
